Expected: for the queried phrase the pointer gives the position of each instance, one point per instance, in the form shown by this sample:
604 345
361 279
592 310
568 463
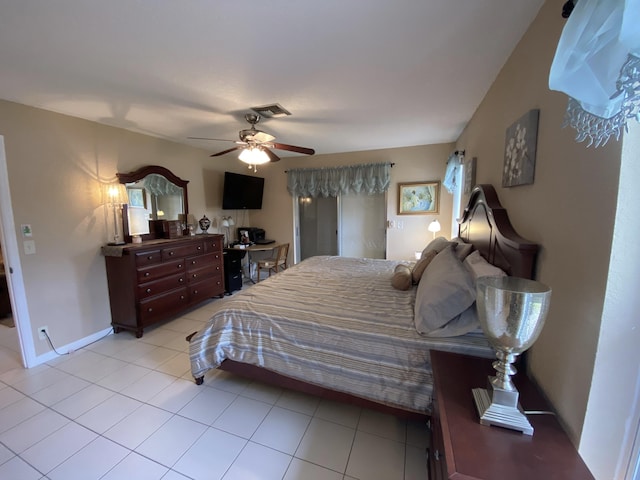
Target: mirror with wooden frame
155 193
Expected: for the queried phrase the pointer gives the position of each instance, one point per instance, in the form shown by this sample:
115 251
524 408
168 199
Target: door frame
13 267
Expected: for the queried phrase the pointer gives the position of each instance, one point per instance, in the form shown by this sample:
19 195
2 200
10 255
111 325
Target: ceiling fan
257 145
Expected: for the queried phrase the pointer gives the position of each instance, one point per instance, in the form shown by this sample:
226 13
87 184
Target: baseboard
71 347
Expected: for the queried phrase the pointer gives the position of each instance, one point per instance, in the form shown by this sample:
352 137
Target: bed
336 327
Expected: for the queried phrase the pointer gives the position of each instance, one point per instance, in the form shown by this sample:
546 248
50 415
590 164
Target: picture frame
470 174
520 150
419 198
137 197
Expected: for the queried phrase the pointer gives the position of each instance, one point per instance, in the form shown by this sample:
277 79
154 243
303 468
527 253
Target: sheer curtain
369 179
597 64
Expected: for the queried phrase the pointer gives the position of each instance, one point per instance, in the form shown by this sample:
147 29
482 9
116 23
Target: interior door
318 226
362 226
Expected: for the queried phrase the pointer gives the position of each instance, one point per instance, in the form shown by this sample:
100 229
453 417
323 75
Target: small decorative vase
204 223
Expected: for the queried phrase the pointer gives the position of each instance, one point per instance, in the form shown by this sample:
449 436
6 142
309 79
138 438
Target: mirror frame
139 174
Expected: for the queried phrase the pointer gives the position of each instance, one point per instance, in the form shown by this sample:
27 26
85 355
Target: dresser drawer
161 270
194 248
150 257
157 307
206 289
206 271
213 244
156 287
203 261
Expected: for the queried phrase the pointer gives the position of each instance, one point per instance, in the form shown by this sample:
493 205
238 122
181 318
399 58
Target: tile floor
127 408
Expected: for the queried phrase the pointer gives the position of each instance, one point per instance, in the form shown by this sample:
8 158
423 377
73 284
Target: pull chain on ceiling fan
256 145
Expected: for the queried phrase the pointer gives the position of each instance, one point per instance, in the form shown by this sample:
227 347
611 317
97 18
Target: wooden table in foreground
462 449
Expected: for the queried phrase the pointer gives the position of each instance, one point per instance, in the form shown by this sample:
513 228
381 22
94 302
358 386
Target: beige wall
570 211
412 164
56 164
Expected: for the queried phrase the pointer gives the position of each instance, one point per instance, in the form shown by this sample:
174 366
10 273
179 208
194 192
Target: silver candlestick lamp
512 312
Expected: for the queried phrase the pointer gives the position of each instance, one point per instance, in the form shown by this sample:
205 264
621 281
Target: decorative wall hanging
419 198
470 174
520 150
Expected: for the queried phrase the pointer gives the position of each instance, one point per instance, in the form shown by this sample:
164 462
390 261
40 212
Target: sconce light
116 195
434 227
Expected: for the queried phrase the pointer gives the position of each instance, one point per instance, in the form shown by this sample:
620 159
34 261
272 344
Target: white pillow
446 289
479 267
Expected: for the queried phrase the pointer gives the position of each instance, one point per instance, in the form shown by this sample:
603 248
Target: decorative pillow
445 290
437 245
464 323
463 249
419 267
479 267
401 279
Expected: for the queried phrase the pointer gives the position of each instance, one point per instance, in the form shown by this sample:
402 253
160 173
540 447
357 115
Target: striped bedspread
335 322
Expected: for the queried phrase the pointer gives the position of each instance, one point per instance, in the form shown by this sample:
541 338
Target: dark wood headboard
486 225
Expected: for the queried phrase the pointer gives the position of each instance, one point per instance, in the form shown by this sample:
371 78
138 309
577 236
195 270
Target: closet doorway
347 225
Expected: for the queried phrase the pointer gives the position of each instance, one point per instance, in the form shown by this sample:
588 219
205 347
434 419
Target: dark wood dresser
158 279
461 448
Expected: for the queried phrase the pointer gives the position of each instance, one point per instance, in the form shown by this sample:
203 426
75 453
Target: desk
257 248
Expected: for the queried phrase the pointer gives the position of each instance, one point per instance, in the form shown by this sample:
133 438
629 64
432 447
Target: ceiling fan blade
217 140
226 151
272 156
293 148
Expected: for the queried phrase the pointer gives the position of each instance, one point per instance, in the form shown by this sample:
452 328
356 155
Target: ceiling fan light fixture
253 156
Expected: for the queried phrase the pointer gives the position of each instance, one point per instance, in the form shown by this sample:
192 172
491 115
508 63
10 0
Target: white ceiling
356 74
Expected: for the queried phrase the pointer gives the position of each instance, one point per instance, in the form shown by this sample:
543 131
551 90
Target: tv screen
242 192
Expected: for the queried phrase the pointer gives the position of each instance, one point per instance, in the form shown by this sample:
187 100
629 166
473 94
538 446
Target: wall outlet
43 332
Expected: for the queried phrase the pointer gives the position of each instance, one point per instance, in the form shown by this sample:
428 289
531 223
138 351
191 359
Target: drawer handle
146 274
195 275
193 262
436 455
218 283
181 279
179 265
150 257
429 424
195 292
171 253
148 290
149 309
199 247
181 297
217 267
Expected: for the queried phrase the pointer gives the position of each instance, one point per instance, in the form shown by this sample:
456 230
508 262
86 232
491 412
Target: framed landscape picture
418 198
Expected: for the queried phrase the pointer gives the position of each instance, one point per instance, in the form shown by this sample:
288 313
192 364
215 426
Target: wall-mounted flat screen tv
242 192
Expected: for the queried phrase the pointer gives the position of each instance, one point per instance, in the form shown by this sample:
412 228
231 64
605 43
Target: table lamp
434 227
512 312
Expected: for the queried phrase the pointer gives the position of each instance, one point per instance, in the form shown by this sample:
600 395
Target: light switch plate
29 247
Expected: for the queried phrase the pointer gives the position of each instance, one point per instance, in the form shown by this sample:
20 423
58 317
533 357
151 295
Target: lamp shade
434 226
253 156
225 222
230 221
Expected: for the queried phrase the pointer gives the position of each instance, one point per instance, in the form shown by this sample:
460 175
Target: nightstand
462 448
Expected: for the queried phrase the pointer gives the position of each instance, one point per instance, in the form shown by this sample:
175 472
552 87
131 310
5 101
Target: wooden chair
276 263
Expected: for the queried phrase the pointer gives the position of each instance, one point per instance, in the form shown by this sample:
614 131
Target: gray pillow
463 249
464 323
445 290
437 245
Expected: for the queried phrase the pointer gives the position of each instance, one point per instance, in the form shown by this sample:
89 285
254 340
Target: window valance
369 179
